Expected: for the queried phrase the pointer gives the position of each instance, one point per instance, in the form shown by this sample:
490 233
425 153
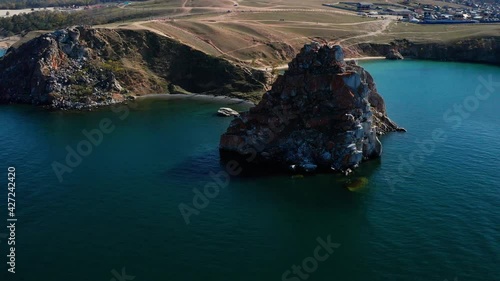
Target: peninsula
230 48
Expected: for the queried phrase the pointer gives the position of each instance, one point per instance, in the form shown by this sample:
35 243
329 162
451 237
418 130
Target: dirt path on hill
195 36
384 24
378 27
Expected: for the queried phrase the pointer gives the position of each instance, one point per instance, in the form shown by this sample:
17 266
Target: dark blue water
428 212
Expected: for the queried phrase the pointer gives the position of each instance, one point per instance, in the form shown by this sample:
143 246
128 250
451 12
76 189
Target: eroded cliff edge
322 114
82 67
478 50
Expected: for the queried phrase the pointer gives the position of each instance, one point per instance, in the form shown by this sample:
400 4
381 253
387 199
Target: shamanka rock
322 114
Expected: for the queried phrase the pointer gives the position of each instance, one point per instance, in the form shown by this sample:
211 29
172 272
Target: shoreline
285 66
7 42
199 97
366 58
203 97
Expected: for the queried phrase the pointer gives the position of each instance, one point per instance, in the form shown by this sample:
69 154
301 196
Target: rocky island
323 114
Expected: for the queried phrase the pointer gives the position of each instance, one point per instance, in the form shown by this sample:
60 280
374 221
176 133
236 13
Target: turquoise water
433 219
2 52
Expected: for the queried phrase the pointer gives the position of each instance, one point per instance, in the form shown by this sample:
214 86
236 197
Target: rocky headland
323 114
478 50
82 67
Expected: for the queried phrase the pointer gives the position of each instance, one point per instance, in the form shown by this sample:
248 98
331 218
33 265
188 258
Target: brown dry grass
268 32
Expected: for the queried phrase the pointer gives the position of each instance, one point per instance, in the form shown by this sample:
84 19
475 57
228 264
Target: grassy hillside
267 33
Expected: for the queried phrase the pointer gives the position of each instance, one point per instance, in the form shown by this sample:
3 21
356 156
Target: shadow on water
195 166
207 163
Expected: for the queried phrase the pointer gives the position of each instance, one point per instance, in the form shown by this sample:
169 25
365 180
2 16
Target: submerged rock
227 112
356 184
322 115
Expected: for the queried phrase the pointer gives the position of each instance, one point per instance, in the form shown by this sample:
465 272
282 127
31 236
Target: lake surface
428 212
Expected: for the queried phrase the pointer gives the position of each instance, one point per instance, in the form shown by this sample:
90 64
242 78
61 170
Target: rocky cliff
82 67
322 114
480 50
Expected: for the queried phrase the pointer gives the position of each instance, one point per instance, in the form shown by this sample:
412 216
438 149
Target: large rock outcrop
322 114
81 67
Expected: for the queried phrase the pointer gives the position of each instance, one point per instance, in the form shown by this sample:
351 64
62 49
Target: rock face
480 50
81 67
322 114
394 55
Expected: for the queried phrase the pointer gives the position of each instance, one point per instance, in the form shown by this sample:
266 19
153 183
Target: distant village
441 13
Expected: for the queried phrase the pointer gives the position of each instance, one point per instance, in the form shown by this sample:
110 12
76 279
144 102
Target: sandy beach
285 66
222 99
6 42
366 58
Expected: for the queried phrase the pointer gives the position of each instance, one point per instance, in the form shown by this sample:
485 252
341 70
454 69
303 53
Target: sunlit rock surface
322 114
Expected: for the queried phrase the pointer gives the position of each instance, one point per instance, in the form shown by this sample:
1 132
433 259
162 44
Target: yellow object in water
357 184
297 176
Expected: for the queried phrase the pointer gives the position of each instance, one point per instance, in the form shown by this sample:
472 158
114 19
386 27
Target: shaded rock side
81 67
322 114
478 50
394 55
